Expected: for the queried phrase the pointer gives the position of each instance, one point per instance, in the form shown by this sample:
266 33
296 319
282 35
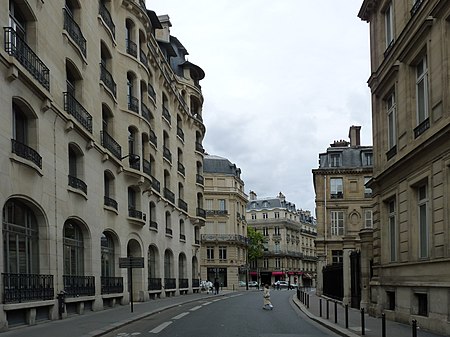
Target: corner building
409 49
224 237
101 158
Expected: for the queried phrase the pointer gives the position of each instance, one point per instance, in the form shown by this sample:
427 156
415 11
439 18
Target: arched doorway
135 275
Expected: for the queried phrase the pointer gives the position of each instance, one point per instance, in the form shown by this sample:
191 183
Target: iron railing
153 224
146 167
75 286
131 48
183 205
183 283
151 91
143 58
73 107
111 285
201 212
180 132
19 288
167 154
74 31
166 115
133 104
156 185
26 152
134 213
224 238
152 137
169 195
106 77
110 144
199 179
106 16
170 283
17 47
77 183
154 283
422 127
145 112
181 168
110 202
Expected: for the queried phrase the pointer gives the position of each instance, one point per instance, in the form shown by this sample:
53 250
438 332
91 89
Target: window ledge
15 158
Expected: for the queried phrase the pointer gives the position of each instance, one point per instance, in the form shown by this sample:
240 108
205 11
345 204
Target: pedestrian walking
216 287
266 295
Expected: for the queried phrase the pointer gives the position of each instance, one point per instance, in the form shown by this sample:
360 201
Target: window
222 205
265 216
210 253
367 190
391 120
367 158
390 296
335 160
266 263
368 221
422 90
422 304
277 247
253 216
107 258
20 239
337 256
222 253
73 250
337 223
336 188
392 231
423 221
265 231
389 24
209 204
277 263
277 230
277 215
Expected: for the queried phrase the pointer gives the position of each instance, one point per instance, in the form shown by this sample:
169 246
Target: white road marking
217 299
161 327
180 315
206 303
195 308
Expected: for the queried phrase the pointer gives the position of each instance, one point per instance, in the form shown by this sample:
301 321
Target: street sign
131 262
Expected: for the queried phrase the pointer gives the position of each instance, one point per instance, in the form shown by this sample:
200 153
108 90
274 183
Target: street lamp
134 158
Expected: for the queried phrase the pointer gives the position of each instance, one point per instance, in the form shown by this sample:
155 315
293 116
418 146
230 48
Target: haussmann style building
409 49
344 220
224 236
289 233
101 159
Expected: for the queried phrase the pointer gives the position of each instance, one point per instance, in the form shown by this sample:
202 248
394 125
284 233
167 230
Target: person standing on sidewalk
266 295
216 287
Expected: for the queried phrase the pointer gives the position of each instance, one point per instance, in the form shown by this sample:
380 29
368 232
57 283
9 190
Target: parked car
252 283
281 284
241 283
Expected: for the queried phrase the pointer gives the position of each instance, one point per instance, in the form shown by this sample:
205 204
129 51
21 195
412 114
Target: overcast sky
284 79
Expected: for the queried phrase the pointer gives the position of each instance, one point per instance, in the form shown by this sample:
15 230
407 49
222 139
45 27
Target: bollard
320 307
383 325
298 294
335 312
414 328
363 328
328 310
346 316
307 301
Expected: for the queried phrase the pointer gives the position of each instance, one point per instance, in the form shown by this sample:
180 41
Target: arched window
107 251
152 211
168 223
73 249
20 239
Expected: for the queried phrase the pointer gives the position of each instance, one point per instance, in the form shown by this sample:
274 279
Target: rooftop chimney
354 135
252 195
164 34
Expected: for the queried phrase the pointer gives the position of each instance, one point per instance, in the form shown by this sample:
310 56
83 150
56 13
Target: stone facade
224 236
289 251
100 157
411 181
344 213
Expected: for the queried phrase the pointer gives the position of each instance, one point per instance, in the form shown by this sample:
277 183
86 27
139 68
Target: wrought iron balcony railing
20 288
154 283
143 58
106 16
146 167
156 185
26 152
133 104
77 183
110 202
180 132
151 91
74 31
217 212
199 179
134 213
18 48
167 154
169 195
422 127
110 144
170 283
152 137
224 238
183 205
153 224
166 114
195 283
183 283
169 231
181 168
75 286
131 48
145 112
106 77
111 285
73 107
201 212
183 237
199 147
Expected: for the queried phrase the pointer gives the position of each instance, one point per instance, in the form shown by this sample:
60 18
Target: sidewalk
93 324
373 325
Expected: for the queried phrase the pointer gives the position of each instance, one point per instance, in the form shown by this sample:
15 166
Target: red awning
291 273
277 273
253 273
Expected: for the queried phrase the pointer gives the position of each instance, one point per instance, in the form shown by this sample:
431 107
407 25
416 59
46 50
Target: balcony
20 288
146 112
183 283
77 184
183 205
26 152
391 153
199 147
170 283
220 212
135 214
131 48
154 283
422 127
110 144
143 58
166 115
106 16
338 195
153 139
195 283
180 133
146 167
74 32
169 231
181 168
111 285
107 201
416 7
153 224
156 185
151 91
134 162
75 286
107 79
18 48
182 237
169 195
133 104
232 238
74 108
201 212
167 154
199 179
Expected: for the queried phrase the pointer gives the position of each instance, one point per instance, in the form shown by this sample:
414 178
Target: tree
256 244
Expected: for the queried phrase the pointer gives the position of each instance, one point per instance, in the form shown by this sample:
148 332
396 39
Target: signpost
130 263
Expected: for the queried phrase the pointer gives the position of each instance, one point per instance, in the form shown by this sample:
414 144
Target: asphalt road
233 315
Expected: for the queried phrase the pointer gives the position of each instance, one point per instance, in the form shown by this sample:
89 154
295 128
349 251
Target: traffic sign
131 262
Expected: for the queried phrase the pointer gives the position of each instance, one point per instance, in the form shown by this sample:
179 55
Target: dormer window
335 160
367 158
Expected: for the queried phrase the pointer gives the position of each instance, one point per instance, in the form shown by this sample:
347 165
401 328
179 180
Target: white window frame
336 186
391 108
389 24
422 214
335 160
422 89
337 223
368 218
392 220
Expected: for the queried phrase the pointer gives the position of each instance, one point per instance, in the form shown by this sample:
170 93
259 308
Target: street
235 314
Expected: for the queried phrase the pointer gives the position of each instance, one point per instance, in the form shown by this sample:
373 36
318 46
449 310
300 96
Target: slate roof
216 164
